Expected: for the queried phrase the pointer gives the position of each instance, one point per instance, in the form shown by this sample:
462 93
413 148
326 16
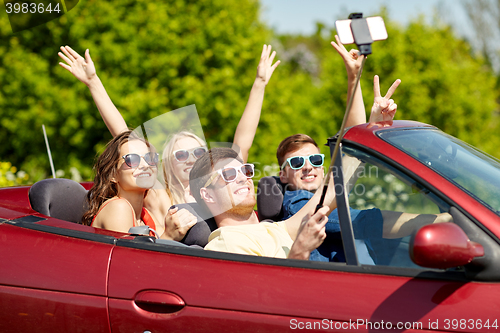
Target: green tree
444 83
153 57
485 18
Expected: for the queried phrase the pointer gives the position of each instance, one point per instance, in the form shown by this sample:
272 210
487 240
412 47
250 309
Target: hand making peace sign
383 108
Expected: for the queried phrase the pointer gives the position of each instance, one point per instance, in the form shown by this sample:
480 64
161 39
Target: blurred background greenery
154 57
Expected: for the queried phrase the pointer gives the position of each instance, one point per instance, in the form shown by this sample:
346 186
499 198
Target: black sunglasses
182 155
133 160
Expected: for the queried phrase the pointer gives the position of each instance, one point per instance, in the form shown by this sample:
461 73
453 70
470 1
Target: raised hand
383 108
245 132
352 59
266 68
82 68
352 62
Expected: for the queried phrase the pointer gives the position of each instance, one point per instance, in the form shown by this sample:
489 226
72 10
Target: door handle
159 301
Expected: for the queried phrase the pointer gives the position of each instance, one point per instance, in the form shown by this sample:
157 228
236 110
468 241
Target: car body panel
292 292
59 276
35 310
42 260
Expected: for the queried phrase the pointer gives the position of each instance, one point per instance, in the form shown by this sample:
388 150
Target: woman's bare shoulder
117 215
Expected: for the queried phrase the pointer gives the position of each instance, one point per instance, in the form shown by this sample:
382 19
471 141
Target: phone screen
375 25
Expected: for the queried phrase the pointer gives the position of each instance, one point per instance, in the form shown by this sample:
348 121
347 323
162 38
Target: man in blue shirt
301 169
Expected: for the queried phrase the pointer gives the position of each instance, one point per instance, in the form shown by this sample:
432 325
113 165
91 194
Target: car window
378 186
465 166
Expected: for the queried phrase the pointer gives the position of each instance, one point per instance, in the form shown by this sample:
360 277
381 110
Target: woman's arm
171 223
84 70
245 132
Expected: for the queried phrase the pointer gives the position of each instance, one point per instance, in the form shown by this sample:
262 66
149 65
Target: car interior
65 199
60 198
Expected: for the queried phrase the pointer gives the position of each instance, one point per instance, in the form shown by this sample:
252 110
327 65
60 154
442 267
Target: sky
299 16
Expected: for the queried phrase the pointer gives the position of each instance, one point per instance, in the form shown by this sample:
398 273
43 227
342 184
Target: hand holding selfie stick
341 134
362 38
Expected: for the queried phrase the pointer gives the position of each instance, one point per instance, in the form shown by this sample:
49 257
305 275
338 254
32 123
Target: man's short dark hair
292 143
204 167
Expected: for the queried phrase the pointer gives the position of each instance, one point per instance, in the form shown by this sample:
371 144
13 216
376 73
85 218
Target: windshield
472 170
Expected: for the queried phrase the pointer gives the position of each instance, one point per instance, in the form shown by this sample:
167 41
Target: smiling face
181 169
134 178
236 197
308 177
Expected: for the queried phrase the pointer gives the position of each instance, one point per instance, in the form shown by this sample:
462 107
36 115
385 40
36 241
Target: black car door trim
63 232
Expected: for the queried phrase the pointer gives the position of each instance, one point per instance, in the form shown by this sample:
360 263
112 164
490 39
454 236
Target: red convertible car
60 276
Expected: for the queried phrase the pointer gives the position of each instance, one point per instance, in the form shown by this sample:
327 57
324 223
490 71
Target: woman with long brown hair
125 171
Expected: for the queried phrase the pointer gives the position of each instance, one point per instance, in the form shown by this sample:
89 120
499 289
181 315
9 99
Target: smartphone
375 25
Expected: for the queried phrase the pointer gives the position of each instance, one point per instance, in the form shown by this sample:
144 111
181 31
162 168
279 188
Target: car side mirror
443 245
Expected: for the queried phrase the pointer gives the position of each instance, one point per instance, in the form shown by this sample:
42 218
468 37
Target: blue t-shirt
367 227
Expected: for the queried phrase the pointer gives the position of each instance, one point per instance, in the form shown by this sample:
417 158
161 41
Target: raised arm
245 132
352 63
84 70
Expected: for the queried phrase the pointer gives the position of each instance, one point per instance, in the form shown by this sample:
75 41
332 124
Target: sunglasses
133 160
229 174
182 155
298 162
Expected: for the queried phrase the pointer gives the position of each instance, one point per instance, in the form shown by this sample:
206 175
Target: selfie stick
48 151
363 40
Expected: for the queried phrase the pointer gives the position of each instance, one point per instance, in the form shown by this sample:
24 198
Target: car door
165 288
457 299
178 289
52 279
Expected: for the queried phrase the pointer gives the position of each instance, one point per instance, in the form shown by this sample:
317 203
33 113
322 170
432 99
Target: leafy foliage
10 176
154 57
443 83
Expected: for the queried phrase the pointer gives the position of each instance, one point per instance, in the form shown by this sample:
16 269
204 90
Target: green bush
9 176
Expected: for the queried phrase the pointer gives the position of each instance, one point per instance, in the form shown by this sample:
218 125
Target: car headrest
270 198
59 197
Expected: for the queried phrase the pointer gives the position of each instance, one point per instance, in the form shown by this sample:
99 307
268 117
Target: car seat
59 197
270 192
